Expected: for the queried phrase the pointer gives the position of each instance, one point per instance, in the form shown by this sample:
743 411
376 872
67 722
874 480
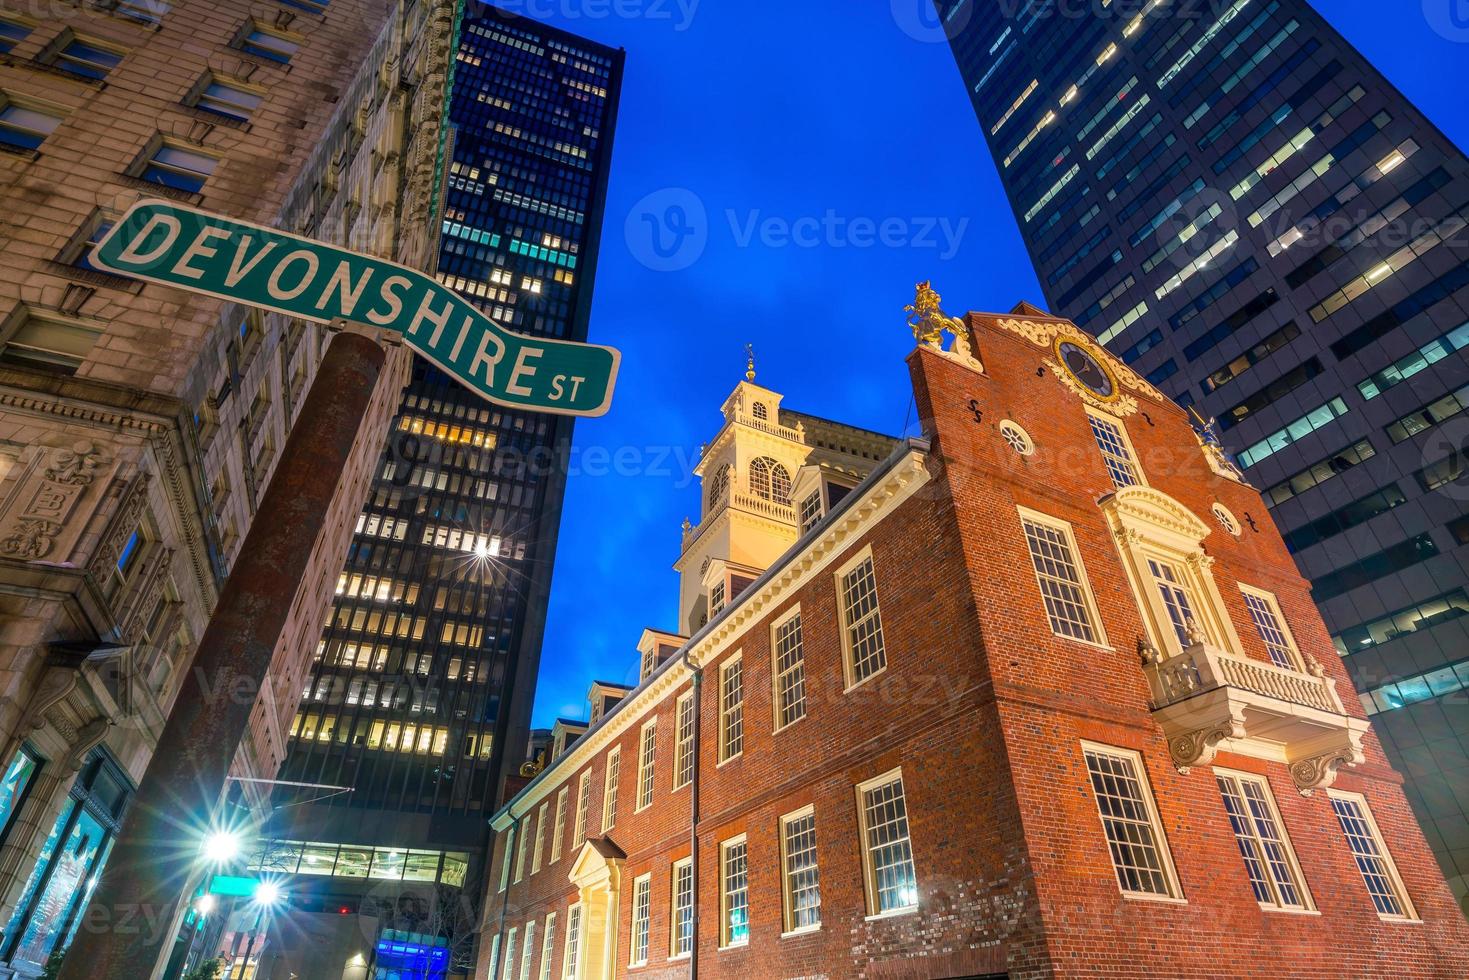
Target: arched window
780 484
719 485
760 411
770 480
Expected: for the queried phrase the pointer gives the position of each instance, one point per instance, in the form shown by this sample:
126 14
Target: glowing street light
206 904
221 847
269 893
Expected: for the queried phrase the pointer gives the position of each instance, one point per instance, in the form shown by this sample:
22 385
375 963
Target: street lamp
221 847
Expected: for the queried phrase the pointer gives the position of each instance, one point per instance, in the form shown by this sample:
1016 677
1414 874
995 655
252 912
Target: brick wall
983 708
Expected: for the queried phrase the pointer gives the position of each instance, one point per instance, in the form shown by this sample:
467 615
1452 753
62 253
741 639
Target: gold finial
750 366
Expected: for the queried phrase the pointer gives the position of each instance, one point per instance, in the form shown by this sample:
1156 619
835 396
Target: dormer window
770 481
810 511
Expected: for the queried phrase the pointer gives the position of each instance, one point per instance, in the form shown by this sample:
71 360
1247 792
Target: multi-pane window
802 891
1374 862
1116 452
683 750
558 831
734 893
609 788
86 59
1130 822
572 956
521 851
548 945
508 858
1270 624
178 167
683 909
583 802
535 854
861 622
810 511
227 98
510 954
1060 575
731 709
642 890
645 765
790 672
716 598
530 950
1269 861
261 41
25 128
887 851
1177 600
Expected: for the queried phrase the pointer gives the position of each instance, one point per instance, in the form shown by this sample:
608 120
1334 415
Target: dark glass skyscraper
420 697
1242 208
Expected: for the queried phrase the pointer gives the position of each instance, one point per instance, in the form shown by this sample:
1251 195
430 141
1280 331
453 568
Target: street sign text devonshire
204 253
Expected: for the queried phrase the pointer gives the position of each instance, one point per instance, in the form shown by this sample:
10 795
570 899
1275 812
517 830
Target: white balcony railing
1209 700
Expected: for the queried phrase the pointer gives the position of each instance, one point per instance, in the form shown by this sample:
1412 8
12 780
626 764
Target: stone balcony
1209 700
748 503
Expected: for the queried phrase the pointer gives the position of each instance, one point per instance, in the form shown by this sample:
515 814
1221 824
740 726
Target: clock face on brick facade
1087 369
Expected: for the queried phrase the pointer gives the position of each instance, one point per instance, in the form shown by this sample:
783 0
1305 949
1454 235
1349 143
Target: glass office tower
419 700
1243 209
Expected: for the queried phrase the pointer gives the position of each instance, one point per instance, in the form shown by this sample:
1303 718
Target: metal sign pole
126 926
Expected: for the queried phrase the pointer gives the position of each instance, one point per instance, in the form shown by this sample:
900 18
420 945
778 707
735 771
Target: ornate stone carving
43 518
87 739
1122 405
1207 432
1147 653
1044 334
122 525
1201 747
1319 772
56 683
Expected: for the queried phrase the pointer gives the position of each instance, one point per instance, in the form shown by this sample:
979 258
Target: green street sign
233 885
167 243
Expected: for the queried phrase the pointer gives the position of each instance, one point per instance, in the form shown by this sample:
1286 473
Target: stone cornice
883 493
86 400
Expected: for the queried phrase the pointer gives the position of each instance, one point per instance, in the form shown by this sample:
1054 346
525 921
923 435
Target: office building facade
1024 697
418 703
1243 209
111 559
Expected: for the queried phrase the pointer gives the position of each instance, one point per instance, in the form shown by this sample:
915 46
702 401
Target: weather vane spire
750 364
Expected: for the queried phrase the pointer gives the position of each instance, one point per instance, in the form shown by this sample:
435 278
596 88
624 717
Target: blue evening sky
741 118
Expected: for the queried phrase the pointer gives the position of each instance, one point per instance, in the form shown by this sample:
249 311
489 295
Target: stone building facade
1042 694
139 426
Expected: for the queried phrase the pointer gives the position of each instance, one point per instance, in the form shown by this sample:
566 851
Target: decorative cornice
1131 506
888 490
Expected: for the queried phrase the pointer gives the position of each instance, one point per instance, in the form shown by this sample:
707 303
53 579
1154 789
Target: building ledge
1208 700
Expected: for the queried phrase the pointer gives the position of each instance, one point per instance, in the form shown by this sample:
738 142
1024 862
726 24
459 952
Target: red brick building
1041 694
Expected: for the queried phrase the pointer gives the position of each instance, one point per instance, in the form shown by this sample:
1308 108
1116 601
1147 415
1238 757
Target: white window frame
528 951
777 675
849 666
583 811
548 945
1089 598
1395 879
571 950
558 837
1134 462
540 844
1272 603
647 760
683 748
642 886
724 907
731 714
1155 821
869 872
510 952
1268 796
508 857
787 903
673 953
520 851
611 777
